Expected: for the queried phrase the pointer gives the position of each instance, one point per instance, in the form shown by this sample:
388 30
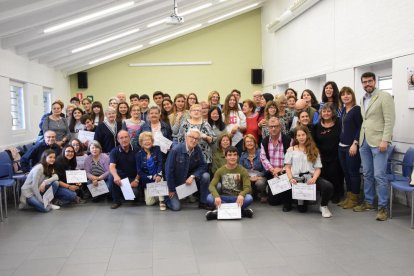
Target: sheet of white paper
48 196
76 176
127 189
229 211
157 188
162 142
185 190
84 136
237 137
279 184
80 161
253 173
98 190
303 191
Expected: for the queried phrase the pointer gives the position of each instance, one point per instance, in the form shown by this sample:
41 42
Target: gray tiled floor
136 240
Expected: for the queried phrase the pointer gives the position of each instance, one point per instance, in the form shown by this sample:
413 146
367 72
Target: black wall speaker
83 80
257 76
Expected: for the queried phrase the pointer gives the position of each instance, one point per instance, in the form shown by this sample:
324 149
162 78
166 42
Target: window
47 100
17 105
385 83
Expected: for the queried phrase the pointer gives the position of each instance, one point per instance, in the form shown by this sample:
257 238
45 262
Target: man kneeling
235 186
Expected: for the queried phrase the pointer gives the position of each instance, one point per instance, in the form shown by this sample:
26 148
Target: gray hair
96 144
113 99
193 130
109 109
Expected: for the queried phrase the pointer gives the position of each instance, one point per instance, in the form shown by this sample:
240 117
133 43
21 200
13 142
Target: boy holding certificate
235 186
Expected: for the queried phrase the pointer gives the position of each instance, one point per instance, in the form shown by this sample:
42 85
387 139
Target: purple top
103 160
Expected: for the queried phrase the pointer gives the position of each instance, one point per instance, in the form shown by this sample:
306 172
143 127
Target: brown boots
351 202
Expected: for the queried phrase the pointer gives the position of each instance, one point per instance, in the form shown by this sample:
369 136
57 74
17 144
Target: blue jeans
374 165
35 203
202 185
350 166
65 195
173 203
248 199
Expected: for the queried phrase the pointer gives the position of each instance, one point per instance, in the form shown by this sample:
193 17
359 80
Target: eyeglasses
191 98
195 138
196 110
215 97
277 126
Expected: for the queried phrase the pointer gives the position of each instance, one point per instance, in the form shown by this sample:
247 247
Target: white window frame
17 110
381 81
47 100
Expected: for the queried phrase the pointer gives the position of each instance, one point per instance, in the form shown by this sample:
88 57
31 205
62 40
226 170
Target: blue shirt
124 161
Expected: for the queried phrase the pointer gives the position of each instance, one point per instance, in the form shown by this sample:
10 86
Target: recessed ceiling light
105 40
115 54
89 17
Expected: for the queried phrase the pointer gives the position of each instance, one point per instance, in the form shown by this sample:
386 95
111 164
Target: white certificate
80 162
98 190
279 184
48 196
185 190
253 173
237 137
157 188
162 142
303 191
76 176
229 211
127 189
84 136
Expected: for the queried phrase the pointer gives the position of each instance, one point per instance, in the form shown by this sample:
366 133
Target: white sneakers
54 207
325 212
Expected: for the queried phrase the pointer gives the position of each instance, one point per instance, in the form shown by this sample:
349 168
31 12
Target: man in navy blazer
186 163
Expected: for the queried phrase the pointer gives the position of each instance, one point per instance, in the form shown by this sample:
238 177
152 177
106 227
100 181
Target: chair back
390 151
6 165
408 162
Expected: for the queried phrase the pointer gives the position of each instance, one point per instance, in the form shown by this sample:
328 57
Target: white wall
35 77
341 39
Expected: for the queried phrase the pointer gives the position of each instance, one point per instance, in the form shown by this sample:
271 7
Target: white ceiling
22 23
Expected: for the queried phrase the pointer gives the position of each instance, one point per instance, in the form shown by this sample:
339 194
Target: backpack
15 157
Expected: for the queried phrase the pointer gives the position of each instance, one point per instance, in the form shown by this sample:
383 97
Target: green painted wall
233 46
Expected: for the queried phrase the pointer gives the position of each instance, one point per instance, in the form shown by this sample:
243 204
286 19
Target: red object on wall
79 95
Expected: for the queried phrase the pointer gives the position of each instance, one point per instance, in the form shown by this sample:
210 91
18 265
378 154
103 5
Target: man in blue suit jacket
186 163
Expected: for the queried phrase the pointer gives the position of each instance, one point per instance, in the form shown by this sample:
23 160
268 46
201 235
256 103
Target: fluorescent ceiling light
105 40
196 9
89 17
177 63
187 12
232 13
175 34
115 54
156 23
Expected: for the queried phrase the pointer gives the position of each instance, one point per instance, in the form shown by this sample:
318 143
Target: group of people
230 149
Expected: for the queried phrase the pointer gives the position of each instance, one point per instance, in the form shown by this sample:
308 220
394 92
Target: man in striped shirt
272 155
